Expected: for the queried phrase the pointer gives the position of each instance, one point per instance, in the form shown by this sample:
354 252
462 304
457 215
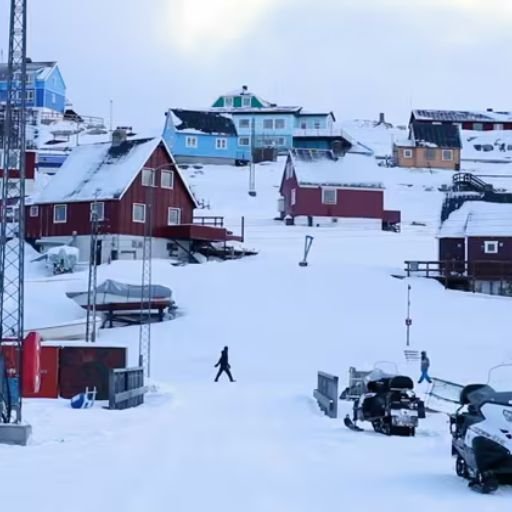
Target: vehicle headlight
508 415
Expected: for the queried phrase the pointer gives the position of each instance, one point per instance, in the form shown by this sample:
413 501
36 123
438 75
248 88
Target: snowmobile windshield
500 378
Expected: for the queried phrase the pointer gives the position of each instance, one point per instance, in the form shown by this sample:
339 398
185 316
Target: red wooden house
475 242
316 183
119 181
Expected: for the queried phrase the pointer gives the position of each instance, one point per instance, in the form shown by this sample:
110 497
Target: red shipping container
82 367
49 374
31 374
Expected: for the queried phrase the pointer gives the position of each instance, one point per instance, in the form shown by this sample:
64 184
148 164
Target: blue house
271 125
206 137
46 88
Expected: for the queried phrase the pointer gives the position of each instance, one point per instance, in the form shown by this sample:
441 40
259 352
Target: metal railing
326 394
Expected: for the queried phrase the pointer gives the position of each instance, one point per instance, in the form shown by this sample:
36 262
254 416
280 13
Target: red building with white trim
119 180
316 183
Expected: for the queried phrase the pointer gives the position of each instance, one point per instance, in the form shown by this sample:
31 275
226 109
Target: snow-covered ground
261 444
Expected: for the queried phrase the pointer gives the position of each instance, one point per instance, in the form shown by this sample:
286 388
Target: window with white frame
478 127
303 125
280 124
268 124
244 123
167 179
491 247
269 142
281 141
139 213
148 177
98 210
317 125
407 153
30 94
191 142
293 197
244 141
447 155
221 143
246 101
499 126
329 196
228 101
60 213
173 216
34 211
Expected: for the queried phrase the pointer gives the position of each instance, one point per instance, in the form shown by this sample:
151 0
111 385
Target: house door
453 255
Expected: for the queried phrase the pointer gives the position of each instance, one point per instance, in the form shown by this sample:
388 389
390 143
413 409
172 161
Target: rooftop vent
245 88
119 135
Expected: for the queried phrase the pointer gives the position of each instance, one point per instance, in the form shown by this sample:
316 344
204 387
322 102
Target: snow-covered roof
478 218
99 171
320 168
255 110
41 69
196 122
461 116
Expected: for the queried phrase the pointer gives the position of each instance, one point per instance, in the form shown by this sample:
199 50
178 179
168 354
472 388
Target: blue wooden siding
279 135
309 122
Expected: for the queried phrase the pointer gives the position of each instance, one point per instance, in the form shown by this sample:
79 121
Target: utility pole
408 320
90 330
145 299
12 233
252 170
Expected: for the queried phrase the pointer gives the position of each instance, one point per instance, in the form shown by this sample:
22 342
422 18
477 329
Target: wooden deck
461 274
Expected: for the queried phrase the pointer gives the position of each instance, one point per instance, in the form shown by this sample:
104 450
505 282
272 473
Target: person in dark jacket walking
224 365
424 366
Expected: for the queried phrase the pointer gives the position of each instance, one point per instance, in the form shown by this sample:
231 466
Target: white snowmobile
482 437
389 404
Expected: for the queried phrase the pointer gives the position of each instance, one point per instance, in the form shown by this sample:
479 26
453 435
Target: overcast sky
355 57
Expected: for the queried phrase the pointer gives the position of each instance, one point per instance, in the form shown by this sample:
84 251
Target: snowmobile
482 437
389 404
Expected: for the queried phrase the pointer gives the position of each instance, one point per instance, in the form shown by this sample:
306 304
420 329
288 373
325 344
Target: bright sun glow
203 24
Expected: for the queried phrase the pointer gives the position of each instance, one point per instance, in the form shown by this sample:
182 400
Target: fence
126 388
326 394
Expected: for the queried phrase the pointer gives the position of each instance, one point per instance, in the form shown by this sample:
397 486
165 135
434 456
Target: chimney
119 136
382 118
490 110
245 88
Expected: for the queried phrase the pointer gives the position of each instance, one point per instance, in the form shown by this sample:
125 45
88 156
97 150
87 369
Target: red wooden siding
357 203
119 213
30 167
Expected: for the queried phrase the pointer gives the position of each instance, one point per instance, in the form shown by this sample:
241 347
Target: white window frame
248 139
229 101
101 207
280 124
478 127
270 122
34 211
191 142
445 153
136 206
427 153
151 182
55 207
30 94
281 141
178 216
293 196
326 190
499 126
303 125
246 101
244 124
221 144
491 247
317 125
170 184
408 153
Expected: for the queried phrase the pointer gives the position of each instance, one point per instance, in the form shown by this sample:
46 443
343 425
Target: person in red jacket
224 366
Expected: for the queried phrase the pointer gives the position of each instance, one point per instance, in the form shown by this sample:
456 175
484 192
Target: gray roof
462 116
439 135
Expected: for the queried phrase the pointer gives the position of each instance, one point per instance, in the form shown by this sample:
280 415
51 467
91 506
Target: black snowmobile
482 437
389 404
